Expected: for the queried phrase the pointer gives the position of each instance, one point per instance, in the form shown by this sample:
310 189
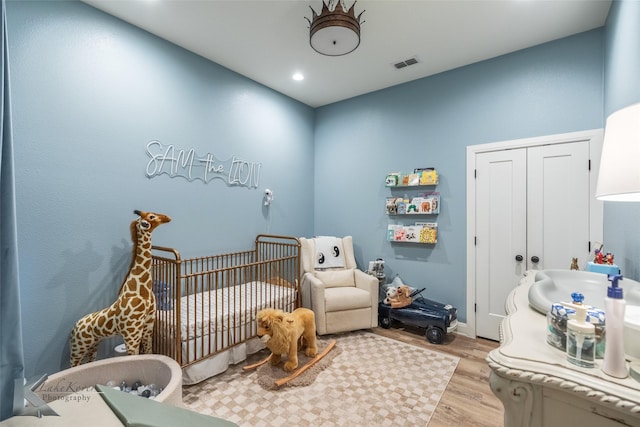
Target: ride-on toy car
438 319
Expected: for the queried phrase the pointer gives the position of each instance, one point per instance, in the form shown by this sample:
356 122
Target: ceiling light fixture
336 31
298 77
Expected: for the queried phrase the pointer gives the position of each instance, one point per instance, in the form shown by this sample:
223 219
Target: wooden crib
206 306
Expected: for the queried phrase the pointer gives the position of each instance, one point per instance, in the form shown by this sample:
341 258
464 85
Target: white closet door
532 212
558 205
501 216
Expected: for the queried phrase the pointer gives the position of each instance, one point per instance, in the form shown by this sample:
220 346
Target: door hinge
475 308
475 173
475 241
589 246
589 164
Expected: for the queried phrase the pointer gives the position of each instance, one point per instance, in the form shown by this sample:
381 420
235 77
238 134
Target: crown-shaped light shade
334 32
619 177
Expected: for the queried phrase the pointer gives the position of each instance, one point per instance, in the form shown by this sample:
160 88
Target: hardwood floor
468 400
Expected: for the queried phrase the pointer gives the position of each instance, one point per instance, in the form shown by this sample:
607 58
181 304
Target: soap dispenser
614 363
581 336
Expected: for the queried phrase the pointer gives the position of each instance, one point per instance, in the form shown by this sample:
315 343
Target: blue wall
548 89
89 91
622 88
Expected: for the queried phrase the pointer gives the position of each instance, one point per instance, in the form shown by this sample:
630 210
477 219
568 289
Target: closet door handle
535 259
519 258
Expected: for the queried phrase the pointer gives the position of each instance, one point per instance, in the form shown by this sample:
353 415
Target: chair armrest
312 290
371 284
366 281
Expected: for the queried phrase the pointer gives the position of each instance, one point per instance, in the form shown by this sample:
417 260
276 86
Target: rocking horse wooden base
298 371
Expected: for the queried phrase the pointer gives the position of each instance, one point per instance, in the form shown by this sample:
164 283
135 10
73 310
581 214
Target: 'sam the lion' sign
174 162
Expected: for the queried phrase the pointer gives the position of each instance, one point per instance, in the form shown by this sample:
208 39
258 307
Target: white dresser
539 388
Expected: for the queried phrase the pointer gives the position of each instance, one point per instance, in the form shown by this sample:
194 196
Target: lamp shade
619 177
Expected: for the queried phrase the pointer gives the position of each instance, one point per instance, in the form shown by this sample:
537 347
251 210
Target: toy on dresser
603 263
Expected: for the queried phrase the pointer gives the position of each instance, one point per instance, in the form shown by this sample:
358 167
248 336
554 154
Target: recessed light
298 77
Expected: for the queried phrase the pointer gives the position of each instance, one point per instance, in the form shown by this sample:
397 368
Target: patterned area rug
373 381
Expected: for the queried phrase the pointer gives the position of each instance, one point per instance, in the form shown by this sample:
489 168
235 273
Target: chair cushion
346 298
336 278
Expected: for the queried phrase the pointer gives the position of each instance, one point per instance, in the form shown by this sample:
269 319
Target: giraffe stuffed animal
132 315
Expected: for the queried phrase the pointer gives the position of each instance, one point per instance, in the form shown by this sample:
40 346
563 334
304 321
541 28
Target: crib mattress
225 309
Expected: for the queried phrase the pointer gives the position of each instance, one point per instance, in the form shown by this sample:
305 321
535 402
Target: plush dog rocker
283 332
402 298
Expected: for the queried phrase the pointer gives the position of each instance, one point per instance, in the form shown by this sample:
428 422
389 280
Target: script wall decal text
185 163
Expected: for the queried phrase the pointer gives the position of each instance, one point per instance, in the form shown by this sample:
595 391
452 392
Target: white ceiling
267 41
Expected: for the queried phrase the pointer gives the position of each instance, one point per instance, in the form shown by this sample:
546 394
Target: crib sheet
226 309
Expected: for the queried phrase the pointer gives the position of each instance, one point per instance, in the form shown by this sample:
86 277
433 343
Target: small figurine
609 258
602 258
574 264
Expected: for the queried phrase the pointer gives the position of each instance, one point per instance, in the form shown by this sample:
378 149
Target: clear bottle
614 363
581 336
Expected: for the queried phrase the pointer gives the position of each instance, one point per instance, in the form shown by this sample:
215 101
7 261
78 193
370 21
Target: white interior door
501 217
558 205
532 212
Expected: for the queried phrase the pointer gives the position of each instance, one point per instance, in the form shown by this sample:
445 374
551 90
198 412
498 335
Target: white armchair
342 297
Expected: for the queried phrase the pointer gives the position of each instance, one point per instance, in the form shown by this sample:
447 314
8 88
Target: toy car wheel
384 322
435 335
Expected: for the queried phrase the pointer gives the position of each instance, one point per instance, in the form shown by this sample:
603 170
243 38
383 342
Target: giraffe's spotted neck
138 279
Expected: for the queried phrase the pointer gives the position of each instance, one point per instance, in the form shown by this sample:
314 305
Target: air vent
406 63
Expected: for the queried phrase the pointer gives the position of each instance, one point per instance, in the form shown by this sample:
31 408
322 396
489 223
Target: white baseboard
463 330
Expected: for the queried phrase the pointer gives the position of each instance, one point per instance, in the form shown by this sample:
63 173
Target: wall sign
166 159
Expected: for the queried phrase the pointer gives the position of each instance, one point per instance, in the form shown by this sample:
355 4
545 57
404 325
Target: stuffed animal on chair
133 314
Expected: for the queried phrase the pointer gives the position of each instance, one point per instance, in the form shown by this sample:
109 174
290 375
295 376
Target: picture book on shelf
401 206
412 233
392 179
428 232
428 176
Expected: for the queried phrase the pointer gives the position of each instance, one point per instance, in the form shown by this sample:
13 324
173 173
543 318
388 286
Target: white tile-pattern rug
374 381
